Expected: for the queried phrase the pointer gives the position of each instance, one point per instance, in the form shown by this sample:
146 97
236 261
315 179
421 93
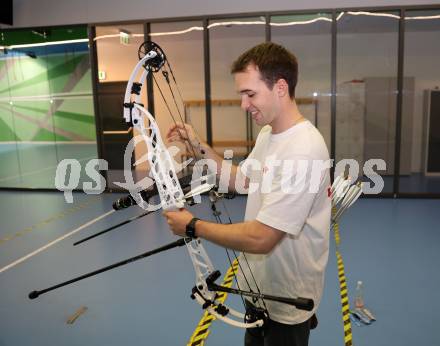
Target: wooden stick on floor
78 313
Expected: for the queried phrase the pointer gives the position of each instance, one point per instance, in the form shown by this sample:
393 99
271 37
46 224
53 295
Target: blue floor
414 183
391 245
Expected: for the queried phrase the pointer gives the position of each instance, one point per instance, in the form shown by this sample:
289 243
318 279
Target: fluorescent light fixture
374 14
303 22
115 35
262 22
180 32
394 16
42 44
213 25
423 17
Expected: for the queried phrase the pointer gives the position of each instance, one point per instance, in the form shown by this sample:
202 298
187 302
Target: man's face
257 99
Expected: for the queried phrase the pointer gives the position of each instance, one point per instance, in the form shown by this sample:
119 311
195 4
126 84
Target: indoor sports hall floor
391 245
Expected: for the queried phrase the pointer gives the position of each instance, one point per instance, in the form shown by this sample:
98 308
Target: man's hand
181 133
177 220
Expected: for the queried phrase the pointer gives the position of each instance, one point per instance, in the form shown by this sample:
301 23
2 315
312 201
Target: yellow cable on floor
345 305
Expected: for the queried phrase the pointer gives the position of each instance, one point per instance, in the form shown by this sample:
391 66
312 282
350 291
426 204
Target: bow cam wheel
155 63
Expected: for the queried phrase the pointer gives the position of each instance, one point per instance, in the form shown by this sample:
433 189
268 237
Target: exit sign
124 37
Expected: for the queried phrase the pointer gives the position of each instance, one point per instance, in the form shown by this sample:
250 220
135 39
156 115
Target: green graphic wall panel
24 77
44 135
51 96
36 110
78 124
46 104
6 133
83 84
82 106
25 129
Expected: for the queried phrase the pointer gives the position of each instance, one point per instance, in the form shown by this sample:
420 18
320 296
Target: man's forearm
207 152
238 236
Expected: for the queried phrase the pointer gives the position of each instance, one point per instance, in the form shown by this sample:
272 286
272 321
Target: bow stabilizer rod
128 201
300 303
180 242
112 228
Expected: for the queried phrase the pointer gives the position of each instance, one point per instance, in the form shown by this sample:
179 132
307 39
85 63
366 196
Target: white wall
30 13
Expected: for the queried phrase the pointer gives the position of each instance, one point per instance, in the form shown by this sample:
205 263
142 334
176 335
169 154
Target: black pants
279 334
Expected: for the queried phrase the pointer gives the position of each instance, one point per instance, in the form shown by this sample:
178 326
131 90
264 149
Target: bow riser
161 164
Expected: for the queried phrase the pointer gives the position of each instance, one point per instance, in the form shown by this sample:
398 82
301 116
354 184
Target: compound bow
172 197
152 59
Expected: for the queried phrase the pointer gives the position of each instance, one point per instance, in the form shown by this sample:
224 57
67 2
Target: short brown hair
273 61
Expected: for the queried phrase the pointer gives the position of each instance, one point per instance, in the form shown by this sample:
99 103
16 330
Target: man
285 234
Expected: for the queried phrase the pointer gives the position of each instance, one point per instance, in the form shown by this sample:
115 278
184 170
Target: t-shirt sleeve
288 203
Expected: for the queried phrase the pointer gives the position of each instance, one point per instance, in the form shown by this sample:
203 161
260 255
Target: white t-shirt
295 267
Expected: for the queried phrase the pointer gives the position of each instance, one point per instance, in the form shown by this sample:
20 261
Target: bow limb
213 311
135 88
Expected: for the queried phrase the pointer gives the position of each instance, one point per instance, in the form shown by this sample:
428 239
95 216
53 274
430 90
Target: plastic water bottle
359 296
